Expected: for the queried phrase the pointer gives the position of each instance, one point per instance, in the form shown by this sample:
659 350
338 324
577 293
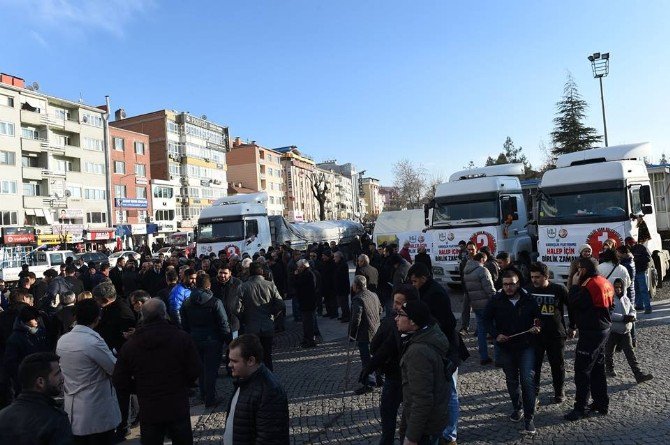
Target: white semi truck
483 205
398 226
240 224
593 195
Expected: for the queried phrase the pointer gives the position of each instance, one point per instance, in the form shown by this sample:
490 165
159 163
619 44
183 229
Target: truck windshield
465 213
221 231
583 206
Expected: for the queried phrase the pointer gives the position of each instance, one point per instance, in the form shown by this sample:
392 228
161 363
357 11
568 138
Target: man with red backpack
591 297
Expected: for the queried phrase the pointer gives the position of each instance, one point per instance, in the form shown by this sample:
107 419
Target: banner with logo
559 245
445 241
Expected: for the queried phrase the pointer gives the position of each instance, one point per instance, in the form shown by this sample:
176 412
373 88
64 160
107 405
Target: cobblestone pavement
324 410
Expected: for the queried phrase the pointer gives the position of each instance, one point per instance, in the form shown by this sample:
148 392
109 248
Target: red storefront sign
96 235
20 238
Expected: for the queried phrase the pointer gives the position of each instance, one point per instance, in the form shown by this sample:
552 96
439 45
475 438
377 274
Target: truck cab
595 195
483 205
236 224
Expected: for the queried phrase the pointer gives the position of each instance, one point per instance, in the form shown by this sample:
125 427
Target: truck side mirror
426 209
645 199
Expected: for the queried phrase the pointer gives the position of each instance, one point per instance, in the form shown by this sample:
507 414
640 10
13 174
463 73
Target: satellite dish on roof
68 193
203 117
36 86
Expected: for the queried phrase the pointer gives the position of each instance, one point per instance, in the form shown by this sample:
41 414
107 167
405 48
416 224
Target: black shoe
641 308
641 378
120 435
363 390
516 415
308 344
213 403
647 311
610 373
530 427
598 409
559 398
485 362
344 320
575 414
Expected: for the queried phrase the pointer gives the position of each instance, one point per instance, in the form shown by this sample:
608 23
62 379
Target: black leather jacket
34 418
261 413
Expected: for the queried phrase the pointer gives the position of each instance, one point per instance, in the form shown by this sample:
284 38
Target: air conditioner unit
206 159
171 156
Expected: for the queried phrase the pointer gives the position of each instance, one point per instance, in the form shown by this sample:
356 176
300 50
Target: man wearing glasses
511 317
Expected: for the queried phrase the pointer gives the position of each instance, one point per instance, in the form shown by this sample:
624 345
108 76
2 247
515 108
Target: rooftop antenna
81 98
34 87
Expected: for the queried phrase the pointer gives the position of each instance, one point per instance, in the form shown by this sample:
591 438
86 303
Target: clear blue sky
439 82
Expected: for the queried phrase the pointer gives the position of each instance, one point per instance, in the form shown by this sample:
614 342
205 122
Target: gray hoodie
622 307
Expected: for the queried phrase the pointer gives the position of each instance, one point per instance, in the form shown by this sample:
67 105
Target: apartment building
52 165
131 175
257 168
188 149
345 183
373 199
299 204
164 204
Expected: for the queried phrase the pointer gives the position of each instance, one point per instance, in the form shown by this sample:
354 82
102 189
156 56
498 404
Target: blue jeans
642 297
364 350
210 358
519 367
450 431
388 409
481 335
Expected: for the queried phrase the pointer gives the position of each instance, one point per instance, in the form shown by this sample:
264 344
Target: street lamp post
600 64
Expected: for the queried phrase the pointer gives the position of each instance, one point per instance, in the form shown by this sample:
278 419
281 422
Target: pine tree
510 155
570 134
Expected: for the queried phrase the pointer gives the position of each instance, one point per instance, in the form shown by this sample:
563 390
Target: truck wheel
652 279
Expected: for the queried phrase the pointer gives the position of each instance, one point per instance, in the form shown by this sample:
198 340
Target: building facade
164 204
257 169
52 165
345 183
131 175
373 199
187 149
300 204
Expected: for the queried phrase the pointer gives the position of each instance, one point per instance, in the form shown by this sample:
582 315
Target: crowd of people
137 340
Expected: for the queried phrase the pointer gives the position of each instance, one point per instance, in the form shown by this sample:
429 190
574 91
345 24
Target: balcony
52 174
34 145
32 173
72 152
72 125
36 202
32 117
54 147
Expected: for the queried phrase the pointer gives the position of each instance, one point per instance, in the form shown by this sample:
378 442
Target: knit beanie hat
585 247
418 312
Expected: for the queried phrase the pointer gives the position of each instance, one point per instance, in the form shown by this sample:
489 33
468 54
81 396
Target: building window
29 133
141 192
175 169
163 192
139 148
6 128
6 101
172 127
165 215
60 140
92 119
7 158
118 144
141 170
9 218
119 191
75 190
142 216
119 167
29 161
97 194
96 217
8 187
121 216
93 144
62 166
31 189
92 167
61 113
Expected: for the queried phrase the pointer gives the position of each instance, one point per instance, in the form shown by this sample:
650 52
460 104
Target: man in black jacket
116 275
226 288
511 315
342 285
591 297
34 417
371 274
327 270
305 291
258 411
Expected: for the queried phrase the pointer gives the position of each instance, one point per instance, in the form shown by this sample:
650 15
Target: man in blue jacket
179 294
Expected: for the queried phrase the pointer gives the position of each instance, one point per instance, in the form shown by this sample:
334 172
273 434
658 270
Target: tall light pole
600 64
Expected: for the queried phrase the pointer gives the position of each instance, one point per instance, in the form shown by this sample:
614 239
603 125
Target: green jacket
425 390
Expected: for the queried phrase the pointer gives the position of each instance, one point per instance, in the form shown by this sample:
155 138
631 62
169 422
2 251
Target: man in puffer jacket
479 286
258 410
365 317
204 317
623 318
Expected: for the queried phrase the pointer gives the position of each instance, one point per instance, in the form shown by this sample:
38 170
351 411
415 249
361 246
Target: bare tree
320 187
410 182
431 187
